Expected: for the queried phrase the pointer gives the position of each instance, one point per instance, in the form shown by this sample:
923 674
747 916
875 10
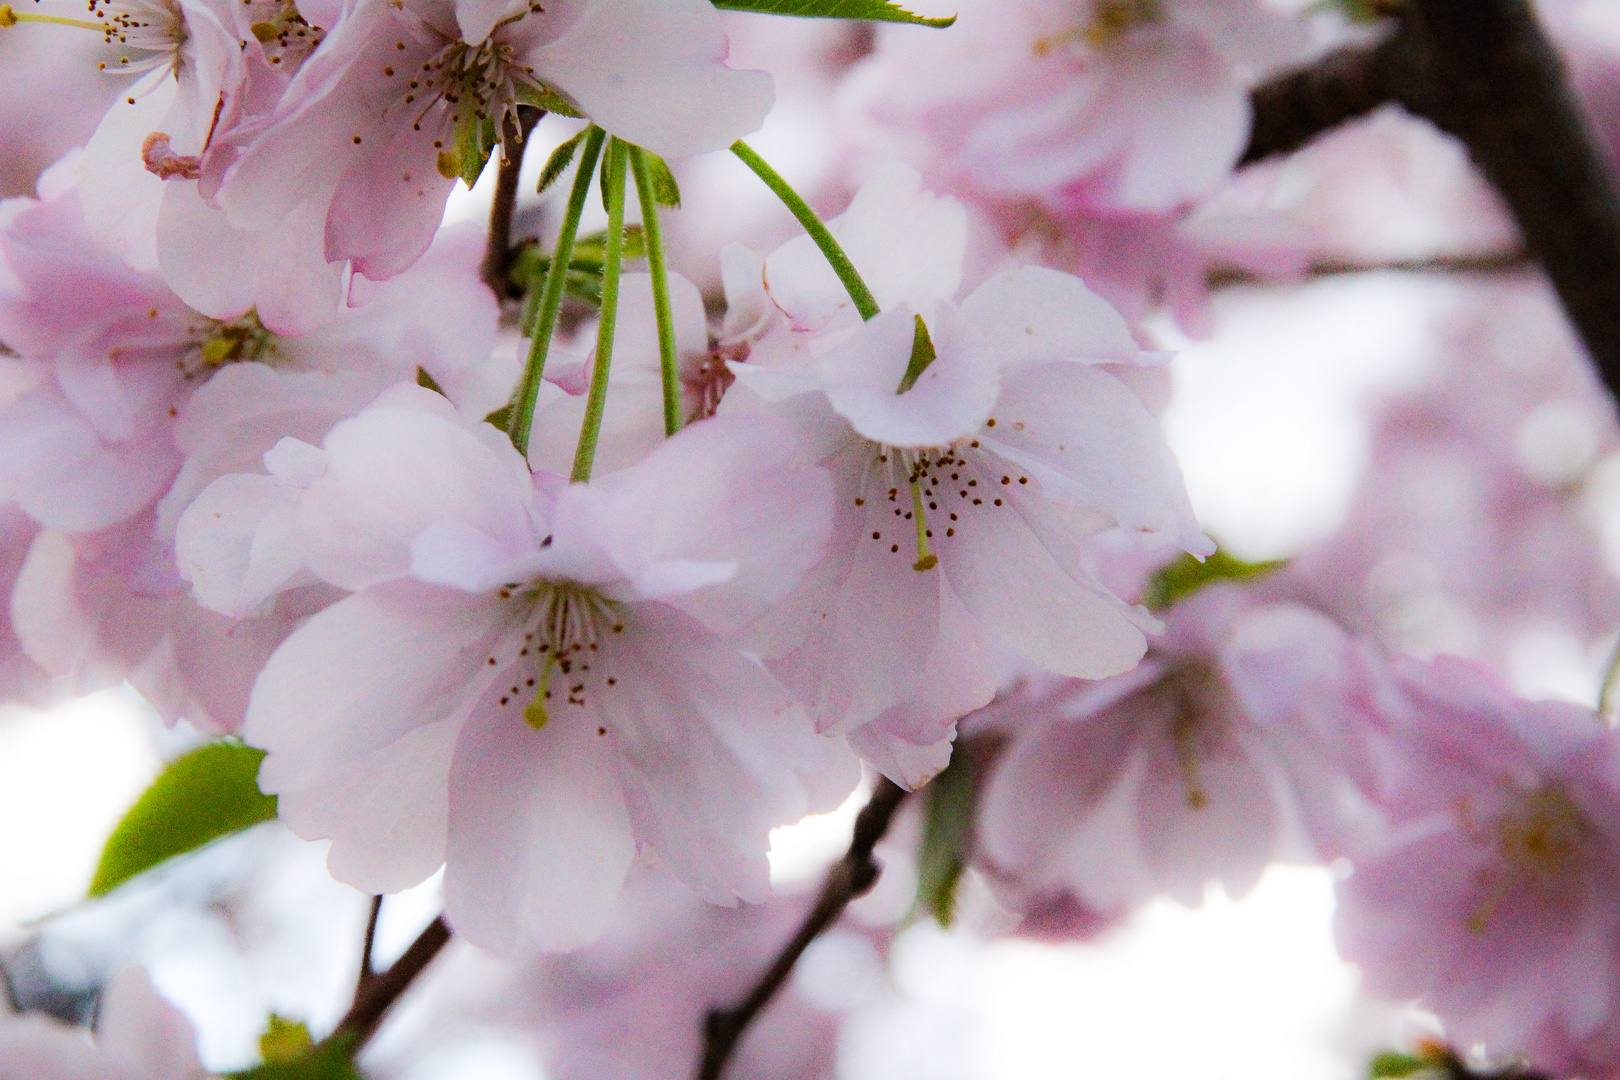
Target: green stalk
528 390
865 303
668 361
613 170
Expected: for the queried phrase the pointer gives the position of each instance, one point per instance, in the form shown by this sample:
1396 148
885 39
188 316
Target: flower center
916 482
1199 701
240 339
1110 20
565 623
1540 839
705 382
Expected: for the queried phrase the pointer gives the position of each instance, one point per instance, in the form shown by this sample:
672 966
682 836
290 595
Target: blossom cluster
582 626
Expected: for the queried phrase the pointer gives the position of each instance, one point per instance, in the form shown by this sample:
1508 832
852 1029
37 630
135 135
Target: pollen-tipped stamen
926 559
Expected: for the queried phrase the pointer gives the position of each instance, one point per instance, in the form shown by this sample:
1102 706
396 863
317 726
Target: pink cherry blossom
1489 896
964 472
139 1036
1246 733
373 116
528 683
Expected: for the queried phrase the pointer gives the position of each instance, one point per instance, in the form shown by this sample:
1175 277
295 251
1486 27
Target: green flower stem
668 361
865 303
613 175
528 390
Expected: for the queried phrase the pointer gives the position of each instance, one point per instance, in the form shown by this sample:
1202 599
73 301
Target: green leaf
329 1060
666 192
947 836
1394 1065
474 139
922 354
209 793
559 161
874 10
1187 575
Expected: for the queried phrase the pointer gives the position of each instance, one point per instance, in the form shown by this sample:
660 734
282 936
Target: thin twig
850 877
1496 262
366 945
499 252
380 993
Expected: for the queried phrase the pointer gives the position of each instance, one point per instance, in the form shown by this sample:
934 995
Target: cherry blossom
528 684
1247 733
379 115
1489 896
965 472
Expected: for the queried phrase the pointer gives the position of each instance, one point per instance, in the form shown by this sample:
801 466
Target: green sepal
204 795
329 1060
947 839
872 10
1185 576
666 192
559 161
475 138
285 1040
1391 1065
428 382
500 417
922 354
544 97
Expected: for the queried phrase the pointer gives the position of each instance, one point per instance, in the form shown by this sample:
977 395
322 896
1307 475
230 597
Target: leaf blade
204 795
870 10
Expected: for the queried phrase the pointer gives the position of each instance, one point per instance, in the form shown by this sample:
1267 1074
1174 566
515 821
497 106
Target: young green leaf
922 354
1391 1065
1187 575
428 382
474 139
209 793
874 10
947 839
544 97
559 161
285 1040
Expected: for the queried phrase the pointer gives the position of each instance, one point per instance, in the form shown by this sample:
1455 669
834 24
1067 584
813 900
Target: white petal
365 672
539 839
385 813
1031 314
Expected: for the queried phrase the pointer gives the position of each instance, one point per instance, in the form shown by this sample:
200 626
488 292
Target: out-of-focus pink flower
1482 513
139 1036
528 683
1245 730
1489 895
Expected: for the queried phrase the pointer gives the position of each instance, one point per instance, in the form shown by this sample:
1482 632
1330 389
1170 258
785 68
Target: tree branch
499 252
850 877
1296 107
381 991
366 945
1484 72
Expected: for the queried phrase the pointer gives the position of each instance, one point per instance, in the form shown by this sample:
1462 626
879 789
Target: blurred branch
1484 72
1222 277
499 253
381 991
850 877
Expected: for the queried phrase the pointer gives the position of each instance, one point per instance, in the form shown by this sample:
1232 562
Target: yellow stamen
926 559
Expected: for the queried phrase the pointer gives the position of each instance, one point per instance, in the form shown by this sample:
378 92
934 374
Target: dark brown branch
499 252
1222 277
850 877
1496 83
381 991
1294 108
370 940
1484 71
